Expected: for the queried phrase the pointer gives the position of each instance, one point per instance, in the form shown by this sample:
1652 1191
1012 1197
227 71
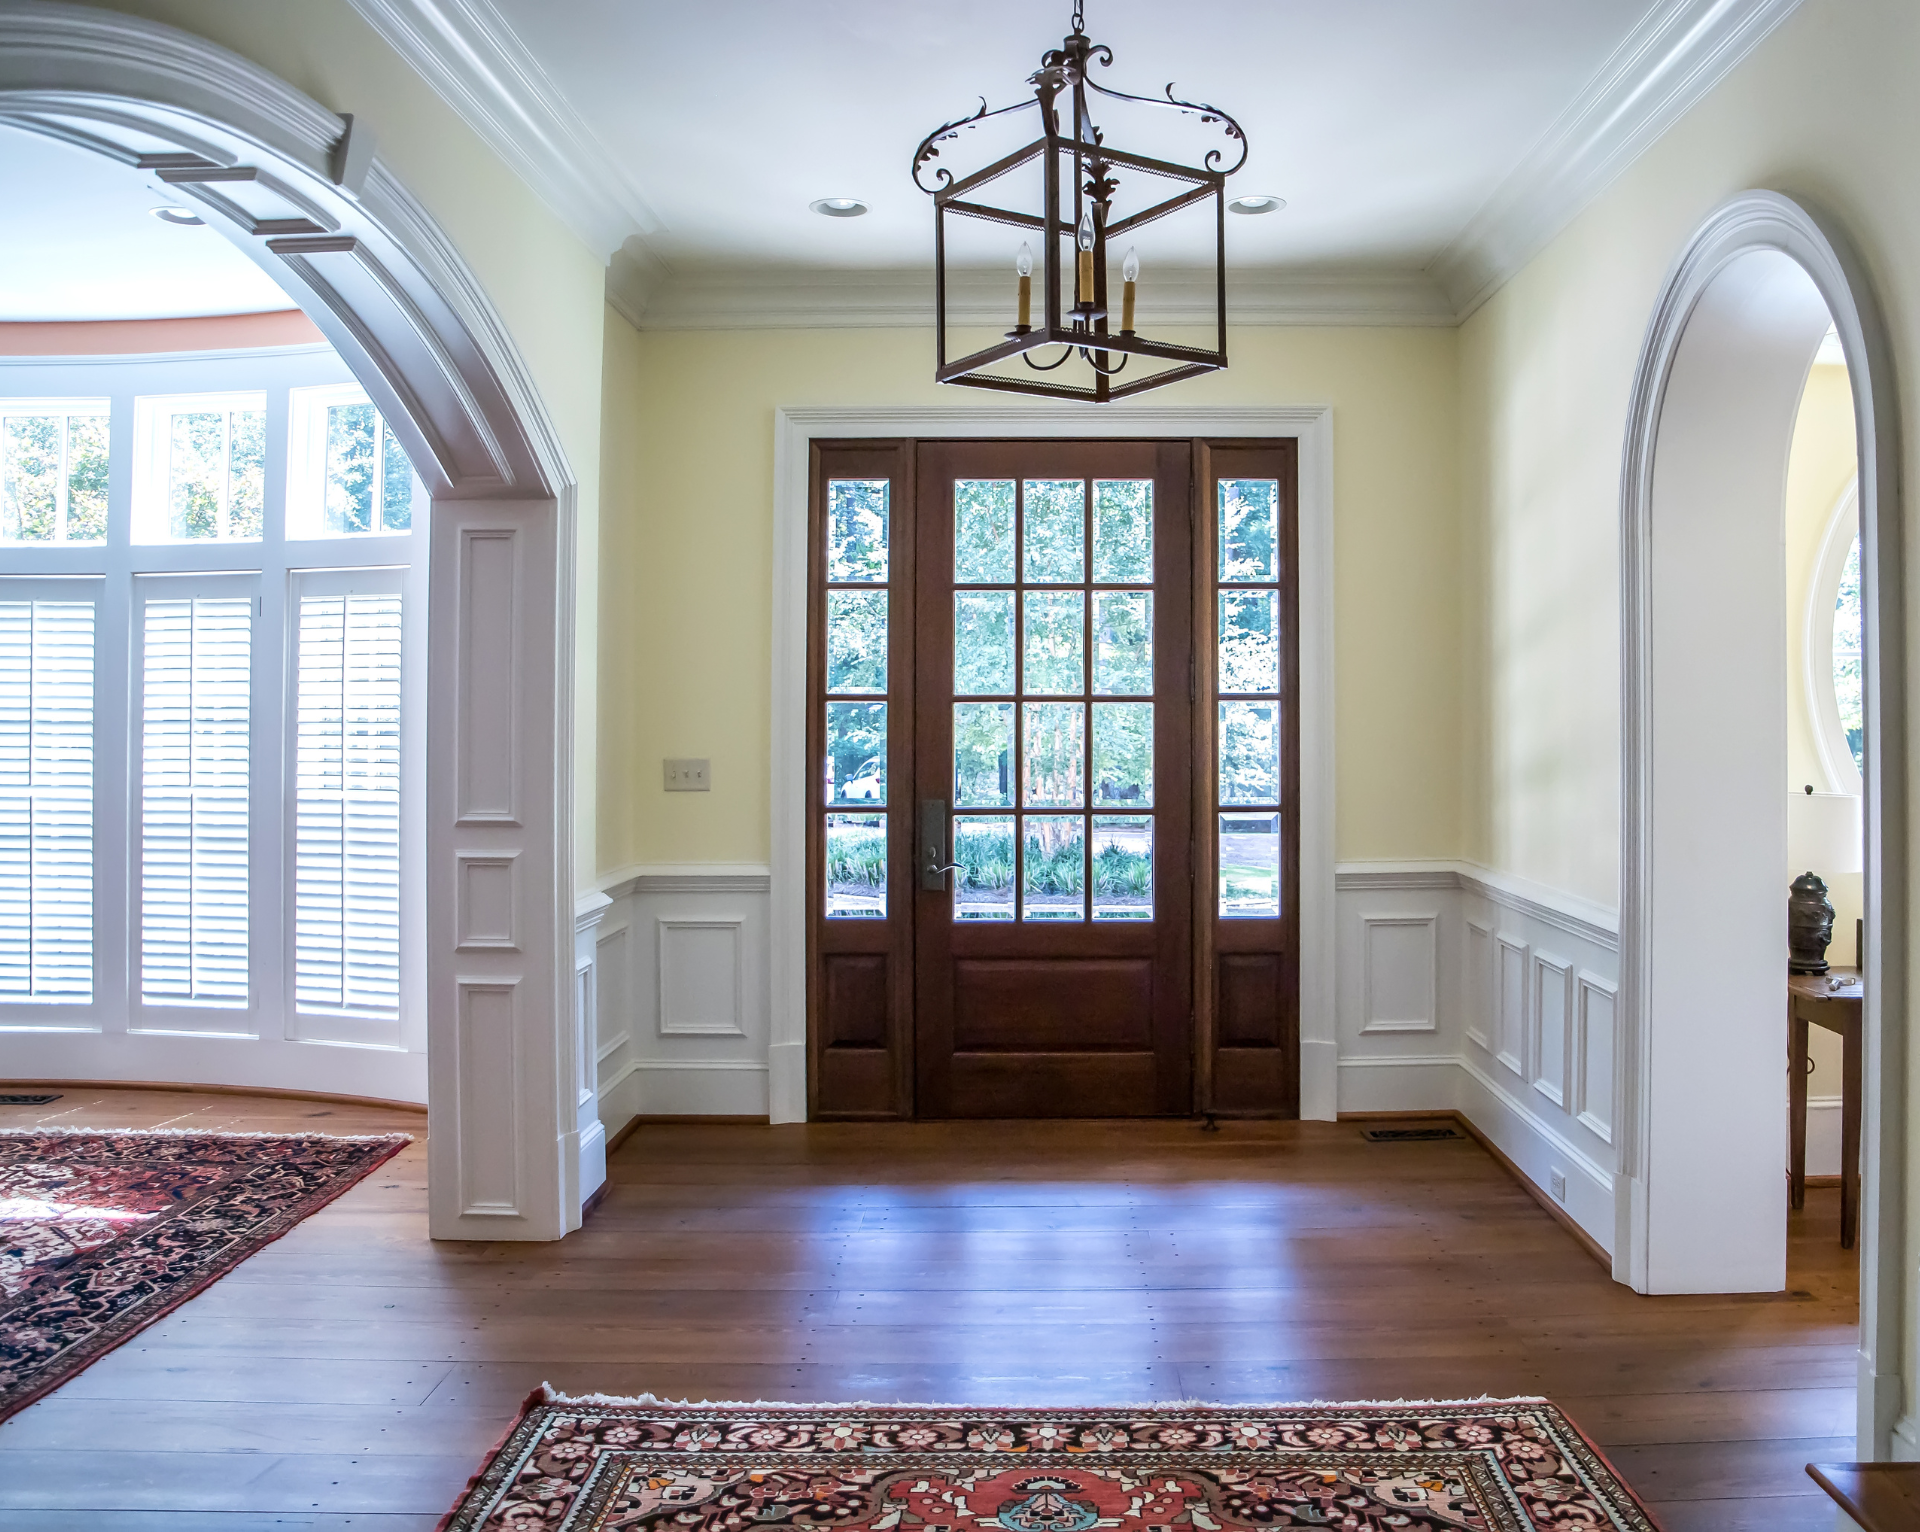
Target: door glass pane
1122 867
983 532
1123 753
1056 748
1055 661
982 643
1249 866
856 866
857 752
1249 752
1053 885
1055 531
983 754
856 641
983 887
857 531
1249 531
1123 531
1249 641
1123 643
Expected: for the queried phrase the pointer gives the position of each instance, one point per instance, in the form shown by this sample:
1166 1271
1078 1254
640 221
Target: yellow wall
686 566
1819 469
546 284
1823 110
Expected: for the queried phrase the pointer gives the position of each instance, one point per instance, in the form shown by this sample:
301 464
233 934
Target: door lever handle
934 865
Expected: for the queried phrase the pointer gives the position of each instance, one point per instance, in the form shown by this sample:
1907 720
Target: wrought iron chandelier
1091 193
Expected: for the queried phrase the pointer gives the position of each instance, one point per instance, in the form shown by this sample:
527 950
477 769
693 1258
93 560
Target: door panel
1053 722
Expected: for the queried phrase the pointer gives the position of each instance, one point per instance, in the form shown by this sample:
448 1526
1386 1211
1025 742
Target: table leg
1850 1135
1796 1108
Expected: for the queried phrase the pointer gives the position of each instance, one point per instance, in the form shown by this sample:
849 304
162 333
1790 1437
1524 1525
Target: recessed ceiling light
839 207
1261 204
177 215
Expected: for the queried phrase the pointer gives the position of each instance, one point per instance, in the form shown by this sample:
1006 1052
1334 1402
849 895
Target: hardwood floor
353 1374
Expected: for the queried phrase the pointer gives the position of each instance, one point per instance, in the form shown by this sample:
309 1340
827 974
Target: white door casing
794 431
1700 1096
303 195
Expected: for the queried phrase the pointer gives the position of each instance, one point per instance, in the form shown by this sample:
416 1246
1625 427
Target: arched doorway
516 1141
1700 1198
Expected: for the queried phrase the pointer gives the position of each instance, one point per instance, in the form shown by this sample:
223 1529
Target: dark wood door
1052 760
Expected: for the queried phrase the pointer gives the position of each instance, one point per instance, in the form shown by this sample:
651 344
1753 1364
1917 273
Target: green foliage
32 468
857 531
1123 643
1123 531
983 531
984 851
856 856
1055 528
1119 872
1249 522
983 643
87 478
1055 622
352 434
857 641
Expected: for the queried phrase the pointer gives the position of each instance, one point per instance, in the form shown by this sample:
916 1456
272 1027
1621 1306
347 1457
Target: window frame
1823 592
273 561
96 405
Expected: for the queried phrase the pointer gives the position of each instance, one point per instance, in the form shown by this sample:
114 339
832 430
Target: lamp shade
1824 833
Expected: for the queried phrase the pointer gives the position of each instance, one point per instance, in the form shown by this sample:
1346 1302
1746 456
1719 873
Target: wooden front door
1053 728
1051 853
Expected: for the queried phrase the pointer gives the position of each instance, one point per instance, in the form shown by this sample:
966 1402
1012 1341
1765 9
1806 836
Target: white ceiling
80 244
1386 124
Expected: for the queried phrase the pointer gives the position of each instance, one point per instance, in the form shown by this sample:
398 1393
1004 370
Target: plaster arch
515 1139
1702 1095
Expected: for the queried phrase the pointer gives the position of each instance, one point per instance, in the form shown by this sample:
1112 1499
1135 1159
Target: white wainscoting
681 994
1520 1035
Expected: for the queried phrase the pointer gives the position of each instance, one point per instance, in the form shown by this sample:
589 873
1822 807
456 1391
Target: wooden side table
1814 1000
1882 1497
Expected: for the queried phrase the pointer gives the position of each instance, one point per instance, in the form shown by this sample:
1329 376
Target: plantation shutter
46 801
196 764
347 806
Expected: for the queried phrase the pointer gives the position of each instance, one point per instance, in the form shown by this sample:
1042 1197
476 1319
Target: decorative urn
1809 925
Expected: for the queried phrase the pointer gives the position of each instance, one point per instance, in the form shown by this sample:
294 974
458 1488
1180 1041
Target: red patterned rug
101 1233
1489 1465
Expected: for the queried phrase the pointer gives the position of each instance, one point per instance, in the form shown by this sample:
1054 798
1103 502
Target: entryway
1052 843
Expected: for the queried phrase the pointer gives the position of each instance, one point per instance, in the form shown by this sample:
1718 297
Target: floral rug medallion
101 1233
594 1465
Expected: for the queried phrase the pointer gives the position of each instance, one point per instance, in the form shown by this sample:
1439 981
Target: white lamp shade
1824 834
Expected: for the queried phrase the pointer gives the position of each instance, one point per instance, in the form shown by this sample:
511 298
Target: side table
1833 1000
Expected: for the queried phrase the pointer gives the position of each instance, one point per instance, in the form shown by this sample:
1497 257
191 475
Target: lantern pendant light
1092 192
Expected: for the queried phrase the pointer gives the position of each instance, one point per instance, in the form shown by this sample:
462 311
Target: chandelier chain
1079 15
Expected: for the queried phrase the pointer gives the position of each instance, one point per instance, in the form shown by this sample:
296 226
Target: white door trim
326 219
1762 221
794 430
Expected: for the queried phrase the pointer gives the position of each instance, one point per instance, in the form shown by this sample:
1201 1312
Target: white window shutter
196 757
347 806
46 801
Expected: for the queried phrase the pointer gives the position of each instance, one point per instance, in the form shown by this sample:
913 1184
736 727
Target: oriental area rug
1489 1465
102 1232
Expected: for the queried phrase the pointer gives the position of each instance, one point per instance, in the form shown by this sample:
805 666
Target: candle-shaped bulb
1130 267
1084 236
1023 262
1023 265
1085 232
1129 271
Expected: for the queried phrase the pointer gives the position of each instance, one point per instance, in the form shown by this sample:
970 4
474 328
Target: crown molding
757 299
466 51
1680 50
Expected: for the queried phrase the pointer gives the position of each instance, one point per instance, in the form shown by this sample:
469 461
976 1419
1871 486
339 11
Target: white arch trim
1767 223
515 1140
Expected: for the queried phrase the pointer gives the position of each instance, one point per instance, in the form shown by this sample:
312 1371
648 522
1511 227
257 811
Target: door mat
101 1232
1513 1465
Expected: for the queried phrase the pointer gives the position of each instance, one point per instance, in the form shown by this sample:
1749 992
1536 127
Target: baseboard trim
223 1090
1553 1209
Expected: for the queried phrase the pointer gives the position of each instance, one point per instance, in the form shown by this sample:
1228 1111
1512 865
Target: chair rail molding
298 190
1751 223
793 432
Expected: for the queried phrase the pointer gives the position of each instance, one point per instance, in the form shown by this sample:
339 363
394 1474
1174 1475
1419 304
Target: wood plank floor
353 1374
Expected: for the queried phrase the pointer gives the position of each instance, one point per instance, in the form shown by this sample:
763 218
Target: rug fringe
553 1395
71 1132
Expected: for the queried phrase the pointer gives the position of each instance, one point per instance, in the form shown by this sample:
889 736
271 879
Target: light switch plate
689 776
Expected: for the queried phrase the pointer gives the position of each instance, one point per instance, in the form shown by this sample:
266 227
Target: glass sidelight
1052 784
855 790
1248 685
